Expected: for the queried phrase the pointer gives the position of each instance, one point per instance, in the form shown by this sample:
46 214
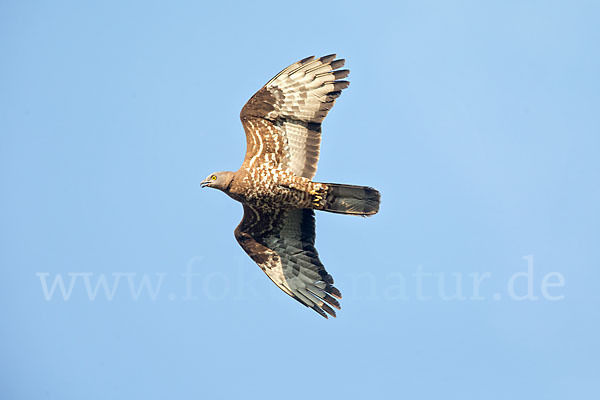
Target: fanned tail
350 199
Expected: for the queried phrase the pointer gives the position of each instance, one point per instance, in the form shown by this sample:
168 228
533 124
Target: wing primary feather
332 290
338 63
305 60
304 66
326 59
340 85
328 310
321 312
341 74
304 298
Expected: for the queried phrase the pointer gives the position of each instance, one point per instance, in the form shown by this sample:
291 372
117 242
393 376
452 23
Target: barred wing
282 243
283 119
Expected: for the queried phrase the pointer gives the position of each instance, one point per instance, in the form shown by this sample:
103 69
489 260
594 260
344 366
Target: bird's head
218 180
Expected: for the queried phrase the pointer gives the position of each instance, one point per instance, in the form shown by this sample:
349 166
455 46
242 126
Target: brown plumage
282 122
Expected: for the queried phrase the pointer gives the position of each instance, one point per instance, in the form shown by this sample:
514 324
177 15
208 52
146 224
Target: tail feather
350 199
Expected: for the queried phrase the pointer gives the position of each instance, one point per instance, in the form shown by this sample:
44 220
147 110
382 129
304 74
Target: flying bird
282 122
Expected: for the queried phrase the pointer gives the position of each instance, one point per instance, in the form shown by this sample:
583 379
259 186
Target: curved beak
204 183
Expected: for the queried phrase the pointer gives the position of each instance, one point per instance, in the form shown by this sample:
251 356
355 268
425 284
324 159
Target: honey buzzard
282 122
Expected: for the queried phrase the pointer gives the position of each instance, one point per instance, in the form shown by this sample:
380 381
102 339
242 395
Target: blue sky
478 121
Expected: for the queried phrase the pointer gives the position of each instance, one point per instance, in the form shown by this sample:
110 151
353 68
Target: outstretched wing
282 243
283 119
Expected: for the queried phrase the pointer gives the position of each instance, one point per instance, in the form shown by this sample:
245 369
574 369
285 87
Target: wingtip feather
329 57
338 63
319 311
307 59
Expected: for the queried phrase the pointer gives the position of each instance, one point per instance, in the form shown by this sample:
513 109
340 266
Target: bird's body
276 187
282 122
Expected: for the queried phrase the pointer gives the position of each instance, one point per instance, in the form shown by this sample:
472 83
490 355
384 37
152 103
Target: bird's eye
214 177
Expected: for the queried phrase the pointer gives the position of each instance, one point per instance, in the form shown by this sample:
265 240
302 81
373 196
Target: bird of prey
282 122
